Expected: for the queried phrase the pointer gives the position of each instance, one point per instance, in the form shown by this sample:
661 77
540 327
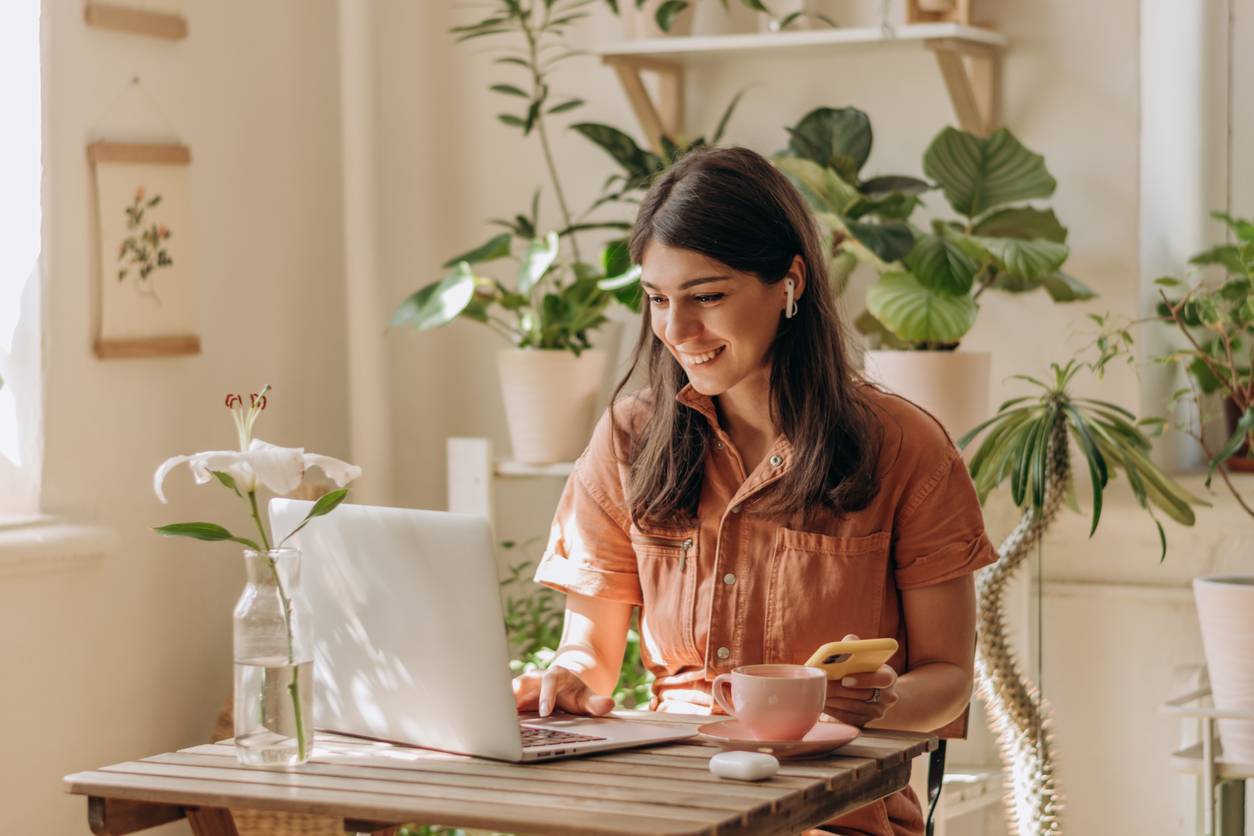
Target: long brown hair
732 205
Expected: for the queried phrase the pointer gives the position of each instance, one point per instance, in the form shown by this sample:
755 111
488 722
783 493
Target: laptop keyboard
534 738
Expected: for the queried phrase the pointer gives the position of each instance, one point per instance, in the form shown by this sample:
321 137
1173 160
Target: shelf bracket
667 116
971 73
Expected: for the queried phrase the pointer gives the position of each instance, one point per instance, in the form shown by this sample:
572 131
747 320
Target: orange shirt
737 587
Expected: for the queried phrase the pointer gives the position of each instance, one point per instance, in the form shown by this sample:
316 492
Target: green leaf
639 164
510 90
1063 287
980 174
226 479
1029 259
941 265
890 241
325 505
1022 222
1098 474
615 258
497 247
203 531
1243 228
511 120
1243 429
917 314
439 302
539 258
839 139
1168 281
822 187
1228 255
727 114
667 12
569 104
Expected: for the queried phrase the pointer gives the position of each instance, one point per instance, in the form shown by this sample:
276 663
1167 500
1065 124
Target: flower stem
293 688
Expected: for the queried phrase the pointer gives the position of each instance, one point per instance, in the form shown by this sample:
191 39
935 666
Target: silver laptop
409 638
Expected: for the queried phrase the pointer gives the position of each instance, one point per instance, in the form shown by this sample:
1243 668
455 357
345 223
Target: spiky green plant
1109 438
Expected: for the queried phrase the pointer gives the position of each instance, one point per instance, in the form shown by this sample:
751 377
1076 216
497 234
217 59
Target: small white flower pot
1225 610
952 385
550 401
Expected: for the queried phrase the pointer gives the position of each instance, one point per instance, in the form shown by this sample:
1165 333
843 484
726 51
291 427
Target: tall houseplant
930 278
1028 442
1215 321
550 377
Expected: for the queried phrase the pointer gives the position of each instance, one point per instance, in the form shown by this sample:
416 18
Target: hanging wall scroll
156 18
144 283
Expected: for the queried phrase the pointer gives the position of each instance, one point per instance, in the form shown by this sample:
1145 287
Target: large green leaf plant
547 296
929 286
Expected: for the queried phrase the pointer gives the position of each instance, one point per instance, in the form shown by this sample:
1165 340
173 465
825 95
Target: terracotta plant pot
1225 610
550 401
642 23
952 385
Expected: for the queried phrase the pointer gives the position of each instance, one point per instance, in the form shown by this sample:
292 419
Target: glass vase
273 662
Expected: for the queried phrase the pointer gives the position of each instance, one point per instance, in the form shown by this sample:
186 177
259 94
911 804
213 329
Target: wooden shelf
761 42
967 57
1191 761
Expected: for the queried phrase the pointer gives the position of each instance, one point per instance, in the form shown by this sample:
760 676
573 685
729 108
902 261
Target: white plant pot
1225 610
642 23
550 401
952 385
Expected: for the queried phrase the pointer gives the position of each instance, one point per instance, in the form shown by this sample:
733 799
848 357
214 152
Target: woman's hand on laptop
560 688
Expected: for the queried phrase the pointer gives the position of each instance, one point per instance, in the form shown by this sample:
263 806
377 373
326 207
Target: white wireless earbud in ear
790 301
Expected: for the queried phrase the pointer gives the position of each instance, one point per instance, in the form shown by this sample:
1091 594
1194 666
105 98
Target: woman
758 499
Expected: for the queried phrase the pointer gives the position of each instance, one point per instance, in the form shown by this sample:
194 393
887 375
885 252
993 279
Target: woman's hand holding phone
860 698
559 688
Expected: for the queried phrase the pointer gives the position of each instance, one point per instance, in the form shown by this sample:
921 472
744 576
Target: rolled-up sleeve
589 550
940 533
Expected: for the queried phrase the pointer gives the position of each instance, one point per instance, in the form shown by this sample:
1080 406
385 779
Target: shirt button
735 509
776 461
729 579
718 444
723 653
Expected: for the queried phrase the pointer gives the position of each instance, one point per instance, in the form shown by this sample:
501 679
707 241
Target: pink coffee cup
775 702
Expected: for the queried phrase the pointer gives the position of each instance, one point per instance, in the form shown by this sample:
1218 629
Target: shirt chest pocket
666 562
821 588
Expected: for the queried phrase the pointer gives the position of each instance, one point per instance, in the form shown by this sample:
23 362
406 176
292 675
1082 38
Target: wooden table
376 786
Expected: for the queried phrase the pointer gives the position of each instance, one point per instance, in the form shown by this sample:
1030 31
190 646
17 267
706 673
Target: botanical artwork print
143 251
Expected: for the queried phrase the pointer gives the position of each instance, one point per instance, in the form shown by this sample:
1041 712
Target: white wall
131 655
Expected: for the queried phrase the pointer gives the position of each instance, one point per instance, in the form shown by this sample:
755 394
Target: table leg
115 816
374 828
211 821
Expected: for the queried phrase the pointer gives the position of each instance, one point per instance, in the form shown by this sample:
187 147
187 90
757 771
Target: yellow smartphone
840 659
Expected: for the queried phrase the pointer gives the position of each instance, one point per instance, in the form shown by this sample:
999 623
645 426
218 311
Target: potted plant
931 278
1029 441
554 300
659 18
1216 320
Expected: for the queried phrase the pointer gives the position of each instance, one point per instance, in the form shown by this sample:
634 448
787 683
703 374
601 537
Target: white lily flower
277 468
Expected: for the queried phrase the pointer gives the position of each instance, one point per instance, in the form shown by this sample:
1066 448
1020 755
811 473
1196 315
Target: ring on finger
874 698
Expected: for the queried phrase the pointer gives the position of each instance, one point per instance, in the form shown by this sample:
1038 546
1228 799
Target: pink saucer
733 735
